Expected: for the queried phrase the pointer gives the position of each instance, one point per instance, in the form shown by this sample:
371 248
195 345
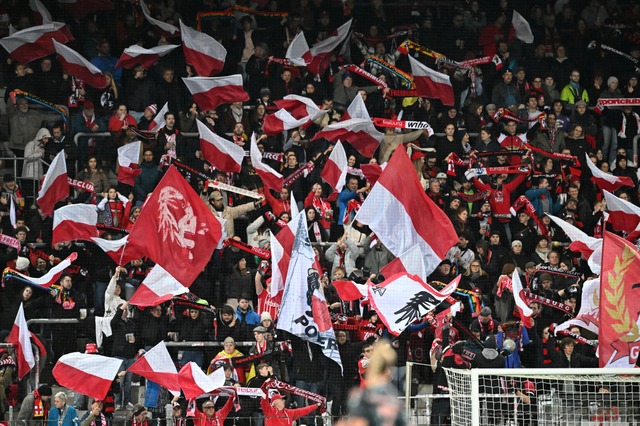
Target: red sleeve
481 185
295 414
115 124
222 413
267 409
270 198
308 201
517 181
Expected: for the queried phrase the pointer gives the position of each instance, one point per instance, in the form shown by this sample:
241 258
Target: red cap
88 105
416 155
91 348
275 396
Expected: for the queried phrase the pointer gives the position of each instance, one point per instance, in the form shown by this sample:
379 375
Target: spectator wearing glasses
210 417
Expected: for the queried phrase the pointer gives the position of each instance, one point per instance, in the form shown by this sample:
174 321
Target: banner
9 241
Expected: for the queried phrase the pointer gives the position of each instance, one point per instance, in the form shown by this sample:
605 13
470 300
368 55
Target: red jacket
278 206
218 418
500 198
286 417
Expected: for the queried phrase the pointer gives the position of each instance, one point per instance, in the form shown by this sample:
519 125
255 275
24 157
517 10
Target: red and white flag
128 161
87 374
522 27
156 288
349 291
158 121
176 229
356 109
269 177
619 340
211 92
589 315
168 29
281 247
607 181
51 277
623 215
119 250
222 154
431 84
55 186
37 6
409 262
194 382
335 169
35 42
402 215
20 337
76 65
295 111
580 241
521 301
156 365
75 222
402 299
135 55
317 58
359 132
202 51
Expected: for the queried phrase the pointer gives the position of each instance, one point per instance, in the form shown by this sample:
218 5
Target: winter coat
33 153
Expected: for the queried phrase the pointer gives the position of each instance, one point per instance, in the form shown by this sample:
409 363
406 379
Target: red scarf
40 408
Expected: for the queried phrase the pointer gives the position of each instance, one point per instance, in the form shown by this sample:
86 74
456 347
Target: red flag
194 382
607 181
430 83
318 58
335 169
75 222
119 250
135 55
623 215
211 92
349 291
295 111
156 365
76 65
221 153
619 338
21 340
521 301
35 42
87 374
156 288
158 121
402 215
128 160
359 132
269 177
176 229
55 186
409 262
371 172
202 51
580 241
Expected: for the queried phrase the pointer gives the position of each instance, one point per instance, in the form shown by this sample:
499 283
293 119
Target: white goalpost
581 396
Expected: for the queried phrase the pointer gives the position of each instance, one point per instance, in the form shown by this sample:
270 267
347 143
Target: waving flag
194 382
269 177
50 278
75 222
156 288
619 339
202 51
295 111
211 92
318 58
221 153
135 55
580 241
128 160
335 169
37 6
158 121
168 29
176 229
349 291
87 374
521 301
607 181
431 84
523 30
55 186
589 315
20 337
359 132
119 250
156 365
402 299
623 215
410 262
303 311
35 42
76 65
398 194
356 109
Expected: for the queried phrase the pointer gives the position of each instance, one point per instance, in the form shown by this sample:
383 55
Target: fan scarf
472 198
578 338
40 410
523 203
557 271
532 297
17 94
505 114
362 73
256 251
286 387
10 241
81 184
63 298
295 176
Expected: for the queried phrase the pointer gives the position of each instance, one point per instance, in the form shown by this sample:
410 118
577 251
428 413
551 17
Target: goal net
544 397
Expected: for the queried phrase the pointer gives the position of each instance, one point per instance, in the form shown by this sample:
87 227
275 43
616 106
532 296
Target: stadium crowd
538 99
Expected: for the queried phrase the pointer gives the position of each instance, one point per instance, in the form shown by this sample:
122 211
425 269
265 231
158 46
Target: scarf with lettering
557 271
295 176
523 203
499 170
472 198
256 251
286 387
532 297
